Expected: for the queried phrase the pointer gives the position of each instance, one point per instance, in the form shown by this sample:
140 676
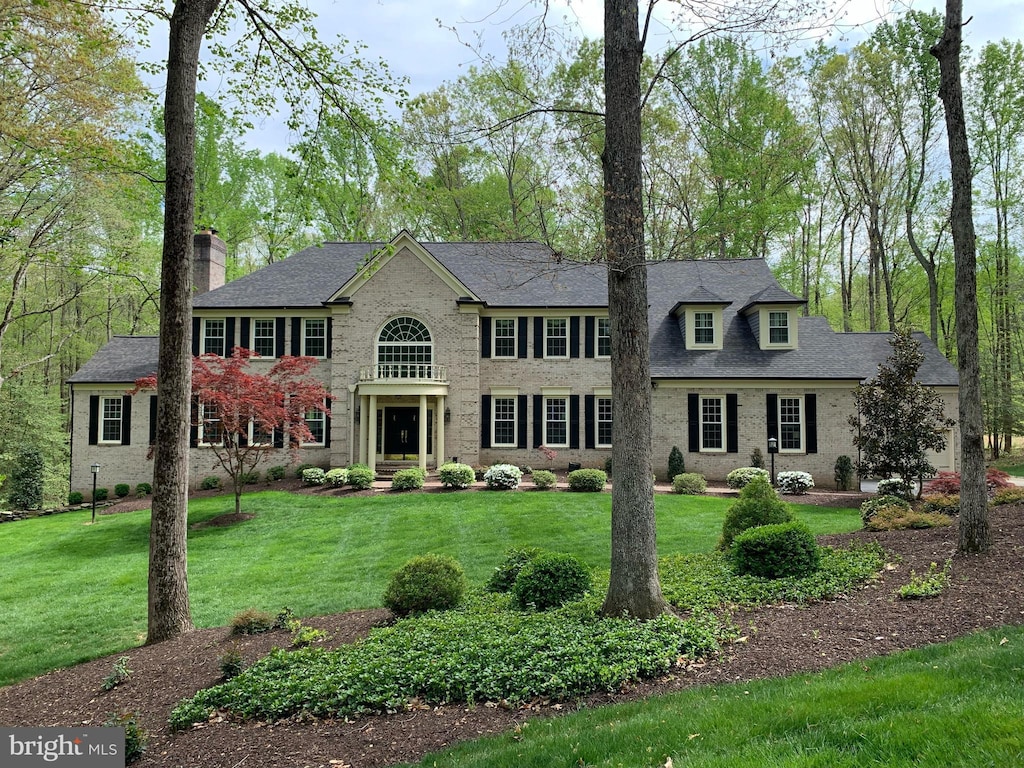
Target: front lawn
74 591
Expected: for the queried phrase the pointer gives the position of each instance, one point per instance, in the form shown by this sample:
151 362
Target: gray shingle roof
121 360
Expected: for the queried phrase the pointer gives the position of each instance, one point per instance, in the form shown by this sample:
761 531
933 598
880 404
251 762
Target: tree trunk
169 613
974 533
634 588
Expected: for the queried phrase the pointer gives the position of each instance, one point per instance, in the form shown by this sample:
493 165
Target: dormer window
703 328
778 327
700 319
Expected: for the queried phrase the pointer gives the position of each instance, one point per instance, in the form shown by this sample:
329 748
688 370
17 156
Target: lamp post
95 468
773 448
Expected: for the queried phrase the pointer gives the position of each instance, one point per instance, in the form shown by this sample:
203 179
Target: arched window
404 350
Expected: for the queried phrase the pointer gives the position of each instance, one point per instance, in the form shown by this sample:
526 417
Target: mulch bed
986 591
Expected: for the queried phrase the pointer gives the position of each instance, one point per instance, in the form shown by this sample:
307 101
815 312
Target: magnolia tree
241 415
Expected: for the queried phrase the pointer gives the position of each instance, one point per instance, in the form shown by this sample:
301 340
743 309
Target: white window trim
716 327
598 421
565 337
251 437
515 421
273 335
803 423
514 337
323 419
598 337
765 318
305 335
565 399
223 336
700 410
103 420
201 440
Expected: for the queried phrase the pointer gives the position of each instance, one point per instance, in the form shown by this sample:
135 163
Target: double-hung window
210 431
556 422
213 338
712 423
604 422
791 426
604 337
263 337
111 411
504 422
316 421
556 337
504 337
704 328
778 327
259 436
314 337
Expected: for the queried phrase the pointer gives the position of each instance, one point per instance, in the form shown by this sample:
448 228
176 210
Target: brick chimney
210 255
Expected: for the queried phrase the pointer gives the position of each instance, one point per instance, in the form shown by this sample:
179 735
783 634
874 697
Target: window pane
209 428
213 337
790 431
556 430
504 420
604 337
263 338
505 337
778 327
315 341
404 350
557 342
703 328
316 421
111 432
604 421
711 423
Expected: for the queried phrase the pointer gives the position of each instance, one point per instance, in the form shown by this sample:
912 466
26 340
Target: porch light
447 415
773 448
95 469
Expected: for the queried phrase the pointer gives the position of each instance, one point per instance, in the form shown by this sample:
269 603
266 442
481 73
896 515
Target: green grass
942 706
73 591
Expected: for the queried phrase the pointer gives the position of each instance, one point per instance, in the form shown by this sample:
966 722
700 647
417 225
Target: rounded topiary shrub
587 480
122 489
314 476
869 508
360 477
691 483
758 504
143 489
455 475
544 479
336 478
775 551
503 477
794 483
741 477
549 580
101 494
75 497
425 583
504 576
410 479
210 483
276 472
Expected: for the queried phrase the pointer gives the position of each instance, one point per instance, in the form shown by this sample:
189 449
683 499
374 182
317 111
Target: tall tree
974 534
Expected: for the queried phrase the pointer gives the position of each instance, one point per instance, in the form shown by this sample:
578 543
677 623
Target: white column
364 420
439 454
423 433
371 441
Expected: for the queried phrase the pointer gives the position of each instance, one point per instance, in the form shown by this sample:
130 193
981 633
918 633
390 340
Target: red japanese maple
242 415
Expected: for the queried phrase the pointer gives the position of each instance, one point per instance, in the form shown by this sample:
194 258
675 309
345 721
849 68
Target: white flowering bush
313 476
896 486
503 477
336 477
794 482
741 477
454 475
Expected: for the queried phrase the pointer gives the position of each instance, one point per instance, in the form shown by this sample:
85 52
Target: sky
429 42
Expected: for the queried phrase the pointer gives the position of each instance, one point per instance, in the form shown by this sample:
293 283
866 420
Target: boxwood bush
336 478
143 489
455 475
550 580
360 477
776 551
313 476
410 479
543 479
758 504
691 483
741 476
122 489
210 483
587 480
75 497
504 575
425 583
276 472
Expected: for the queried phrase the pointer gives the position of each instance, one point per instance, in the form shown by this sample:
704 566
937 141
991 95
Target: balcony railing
404 372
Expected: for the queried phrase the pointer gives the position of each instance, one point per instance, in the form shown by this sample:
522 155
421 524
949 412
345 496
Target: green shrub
410 479
794 483
231 663
336 478
360 477
741 476
608 466
143 489
122 489
135 736
25 482
313 476
676 463
426 583
455 475
503 477
504 575
870 507
304 636
690 483
276 472
210 483
843 473
119 674
897 518
587 480
896 486
75 497
947 504
251 478
757 458
100 494
549 580
299 470
776 551
758 504
544 479
930 584
1007 496
251 621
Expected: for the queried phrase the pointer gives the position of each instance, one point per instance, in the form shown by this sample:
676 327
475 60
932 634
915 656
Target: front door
401 433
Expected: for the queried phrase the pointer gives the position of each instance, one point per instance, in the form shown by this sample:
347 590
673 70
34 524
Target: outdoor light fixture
95 469
447 415
773 448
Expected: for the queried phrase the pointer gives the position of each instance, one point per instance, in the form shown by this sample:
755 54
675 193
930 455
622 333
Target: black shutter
485 421
588 420
126 420
229 336
538 337
772 415
589 336
278 438
693 421
327 429
485 337
732 425
152 419
330 336
94 419
521 420
574 414
279 337
574 337
524 329
195 336
193 434
811 417
538 421
245 333
296 336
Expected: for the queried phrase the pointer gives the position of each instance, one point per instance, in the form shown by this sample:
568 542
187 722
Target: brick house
486 351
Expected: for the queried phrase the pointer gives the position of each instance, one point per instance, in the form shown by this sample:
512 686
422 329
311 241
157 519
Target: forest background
827 161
